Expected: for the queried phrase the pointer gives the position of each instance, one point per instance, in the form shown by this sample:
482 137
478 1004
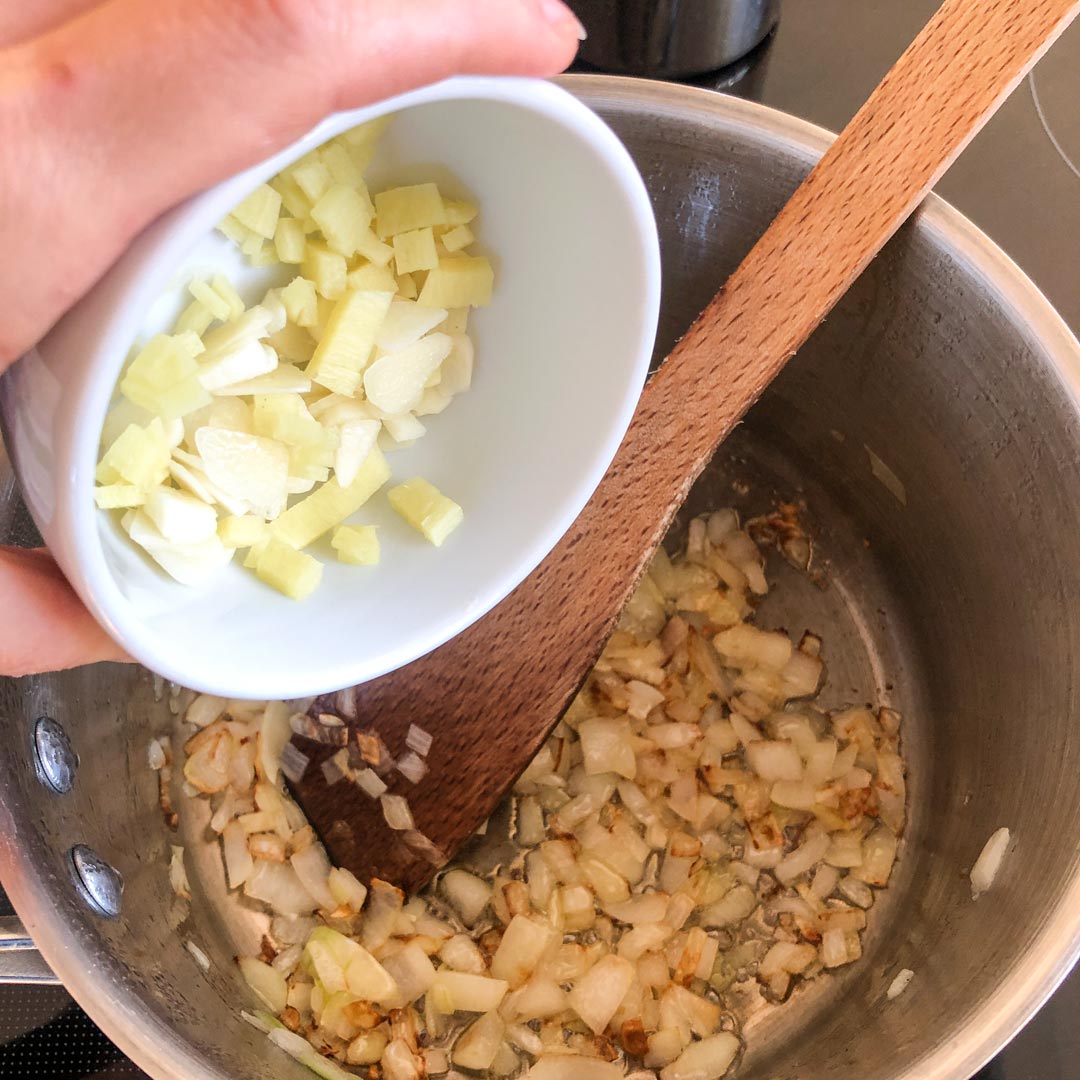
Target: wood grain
490 696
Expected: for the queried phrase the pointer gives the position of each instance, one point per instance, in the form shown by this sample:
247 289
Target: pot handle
20 962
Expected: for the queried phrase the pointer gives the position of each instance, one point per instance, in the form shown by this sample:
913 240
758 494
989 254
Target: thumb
137 104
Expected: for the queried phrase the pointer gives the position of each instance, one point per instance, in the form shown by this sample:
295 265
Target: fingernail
560 16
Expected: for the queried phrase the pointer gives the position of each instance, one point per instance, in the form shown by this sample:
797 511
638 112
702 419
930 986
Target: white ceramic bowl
562 353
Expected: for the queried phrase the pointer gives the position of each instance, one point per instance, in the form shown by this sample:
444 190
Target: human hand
111 112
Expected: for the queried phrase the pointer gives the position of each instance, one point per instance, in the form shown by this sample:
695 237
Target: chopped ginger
331 504
232 229
289 241
301 302
194 319
312 177
415 251
346 344
426 509
285 417
374 250
164 378
343 167
373 278
242 530
289 571
326 268
118 496
403 209
459 211
180 518
458 281
215 304
140 456
326 307
356 544
259 211
292 197
261 429
343 216
457 238
224 289
263 256
356 438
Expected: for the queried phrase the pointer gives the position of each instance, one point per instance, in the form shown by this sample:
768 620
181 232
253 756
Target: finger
45 627
140 103
21 22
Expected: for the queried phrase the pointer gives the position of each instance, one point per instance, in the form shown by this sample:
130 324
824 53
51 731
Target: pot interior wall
958 604
958 586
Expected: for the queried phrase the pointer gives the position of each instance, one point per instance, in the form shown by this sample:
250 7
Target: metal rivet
100 885
56 759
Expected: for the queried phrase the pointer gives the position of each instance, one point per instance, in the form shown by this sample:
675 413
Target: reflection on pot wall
672 38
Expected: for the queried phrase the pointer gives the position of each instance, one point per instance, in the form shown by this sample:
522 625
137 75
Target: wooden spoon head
479 743
352 825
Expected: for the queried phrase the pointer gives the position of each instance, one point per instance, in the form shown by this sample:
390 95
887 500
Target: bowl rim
95 977
163 247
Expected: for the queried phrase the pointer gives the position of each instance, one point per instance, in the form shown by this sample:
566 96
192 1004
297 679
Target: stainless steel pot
953 592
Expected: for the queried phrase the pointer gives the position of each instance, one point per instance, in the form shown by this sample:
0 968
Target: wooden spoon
489 697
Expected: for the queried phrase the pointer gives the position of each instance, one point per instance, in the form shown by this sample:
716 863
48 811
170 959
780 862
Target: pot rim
80 959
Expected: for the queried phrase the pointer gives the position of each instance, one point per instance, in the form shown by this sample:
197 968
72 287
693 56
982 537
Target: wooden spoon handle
497 688
940 92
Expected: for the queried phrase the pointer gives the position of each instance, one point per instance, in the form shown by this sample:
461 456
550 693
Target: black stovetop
1015 181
